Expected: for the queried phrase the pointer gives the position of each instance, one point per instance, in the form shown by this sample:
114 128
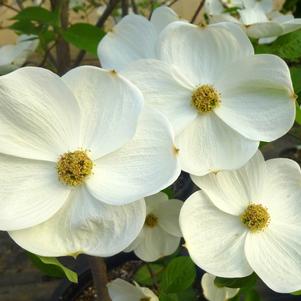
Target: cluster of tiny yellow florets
74 167
255 217
205 98
151 220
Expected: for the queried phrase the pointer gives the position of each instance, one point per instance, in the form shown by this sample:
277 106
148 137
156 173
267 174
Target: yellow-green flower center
205 98
255 217
74 167
151 220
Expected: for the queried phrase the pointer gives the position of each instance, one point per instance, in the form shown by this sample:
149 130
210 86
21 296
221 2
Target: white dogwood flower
121 290
75 153
14 56
161 234
220 98
213 293
248 220
133 38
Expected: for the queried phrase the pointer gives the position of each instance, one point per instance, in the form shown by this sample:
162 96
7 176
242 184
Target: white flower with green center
133 38
121 290
213 293
248 220
161 234
14 56
76 153
220 98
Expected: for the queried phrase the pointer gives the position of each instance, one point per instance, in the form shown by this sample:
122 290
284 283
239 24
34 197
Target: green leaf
298 114
178 276
251 295
169 192
26 27
168 297
143 276
287 46
188 295
38 14
84 36
52 267
297 293
296 78
245 282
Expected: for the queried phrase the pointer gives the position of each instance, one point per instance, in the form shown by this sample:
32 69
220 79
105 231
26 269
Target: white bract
213 293
121 290
161 234
14 56
220 98
75 154
133 38
248 220
259 19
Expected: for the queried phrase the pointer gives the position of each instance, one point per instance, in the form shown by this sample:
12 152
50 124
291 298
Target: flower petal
201 54
30 192
144 166
120 290
164 89
110 106
84 225
215 240
274 254
257 97
38 115
156 244
122 45
209 145
162 16
291 25
264 30
232 191
282 191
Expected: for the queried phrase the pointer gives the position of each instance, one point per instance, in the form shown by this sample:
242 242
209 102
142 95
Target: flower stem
100 278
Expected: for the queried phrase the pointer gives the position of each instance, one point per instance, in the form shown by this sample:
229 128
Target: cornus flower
213 293
220 98
14 56
75 153
161 234
121 290
133 38
259 19
248 220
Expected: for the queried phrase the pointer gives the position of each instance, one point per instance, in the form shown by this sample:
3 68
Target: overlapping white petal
232 191
202 54
164 88
84 225
211 235
134 38
209 145
144 166
109 106
214 293
120 290
38 115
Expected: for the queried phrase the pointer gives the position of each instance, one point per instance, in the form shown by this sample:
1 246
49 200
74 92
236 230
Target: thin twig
197 11
101 21
172 3
9 6
100 278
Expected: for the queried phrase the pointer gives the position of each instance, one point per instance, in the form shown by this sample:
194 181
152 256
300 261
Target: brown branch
172 3
101 21
124 7
153 276
63 57
100 278
197 11
9 6
134 6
